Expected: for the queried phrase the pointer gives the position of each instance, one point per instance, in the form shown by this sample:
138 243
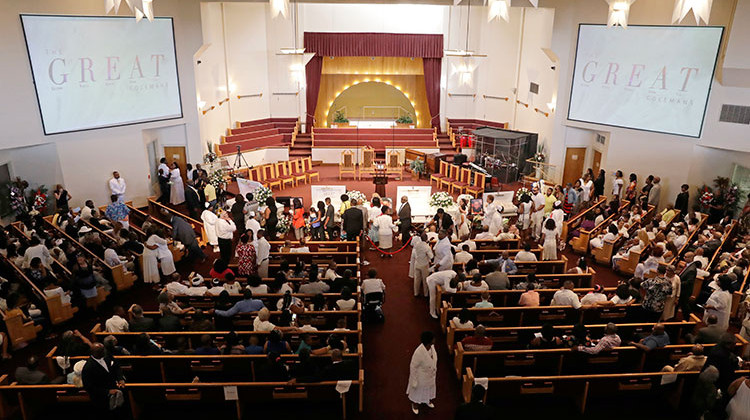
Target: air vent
534 87
600 139
737 114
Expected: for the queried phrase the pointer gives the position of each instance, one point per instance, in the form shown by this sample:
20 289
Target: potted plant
417 168
405 121
340 120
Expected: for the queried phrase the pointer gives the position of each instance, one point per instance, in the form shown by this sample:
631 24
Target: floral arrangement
210 156
405 119
17 198
441 200
284 225
417 166
706 197
40 199
521 192
339 117
261 194
357 195
732 194
216 177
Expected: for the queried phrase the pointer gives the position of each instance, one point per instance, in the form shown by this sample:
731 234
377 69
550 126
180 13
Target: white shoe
365 262
434 316
414 409
430 404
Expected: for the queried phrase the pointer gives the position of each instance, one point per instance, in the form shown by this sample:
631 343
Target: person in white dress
421 388
670 305
463 227
524 212
385 226
720 302
588 187
496 220
372 213
558 215
177 191
489 208
209 219
537 211
150 263
163 253
549 241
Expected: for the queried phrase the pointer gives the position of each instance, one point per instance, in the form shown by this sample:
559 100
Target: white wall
87 159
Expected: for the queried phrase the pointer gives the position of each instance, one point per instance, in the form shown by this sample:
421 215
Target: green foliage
339 117
417 166
405 119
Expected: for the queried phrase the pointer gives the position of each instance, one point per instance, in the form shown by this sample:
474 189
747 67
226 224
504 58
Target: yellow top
210 191
346 205
549 204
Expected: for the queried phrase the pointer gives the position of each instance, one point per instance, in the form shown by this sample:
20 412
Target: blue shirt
656 341
251 349
117 211
510 266
241 307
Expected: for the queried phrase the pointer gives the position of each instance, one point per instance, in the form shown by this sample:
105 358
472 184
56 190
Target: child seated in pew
599 213
485 302
635 214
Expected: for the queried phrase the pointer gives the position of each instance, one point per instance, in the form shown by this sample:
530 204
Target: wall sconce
279 6
618 12
498 9
701 10
522 103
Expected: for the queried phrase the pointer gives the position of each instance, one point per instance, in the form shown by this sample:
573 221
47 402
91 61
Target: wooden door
177 154
574 160
597 163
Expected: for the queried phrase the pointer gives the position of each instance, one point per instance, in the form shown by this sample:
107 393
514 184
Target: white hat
208 205
78 367
196 280
557 203
84 229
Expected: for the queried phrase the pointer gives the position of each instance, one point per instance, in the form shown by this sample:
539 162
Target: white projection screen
96 72
652 78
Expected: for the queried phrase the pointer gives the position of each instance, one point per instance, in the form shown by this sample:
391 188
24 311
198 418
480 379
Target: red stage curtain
368 44
432 67
312 80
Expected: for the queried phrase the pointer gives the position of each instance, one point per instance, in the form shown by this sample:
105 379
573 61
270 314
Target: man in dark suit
404 216
238 213
183 232
476 409
352 221
31 375
328 221
101 378
340 369
681 203
193 201
687 281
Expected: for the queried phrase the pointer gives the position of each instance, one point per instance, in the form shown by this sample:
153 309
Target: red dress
247 263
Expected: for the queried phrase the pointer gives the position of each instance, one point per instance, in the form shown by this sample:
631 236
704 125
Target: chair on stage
368 162
440 175
347 164
269 176
452 176
308 168
394 166
298 171
477 187
284 173
464 179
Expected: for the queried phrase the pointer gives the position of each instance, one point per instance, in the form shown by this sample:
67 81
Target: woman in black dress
272 218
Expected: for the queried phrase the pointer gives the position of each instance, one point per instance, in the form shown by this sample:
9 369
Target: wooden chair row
504 298
321 246
508 338
283 174
319 319
581 243
571 224
454 177
270 299
30 399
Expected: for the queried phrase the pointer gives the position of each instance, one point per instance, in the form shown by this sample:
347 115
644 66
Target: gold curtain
404 73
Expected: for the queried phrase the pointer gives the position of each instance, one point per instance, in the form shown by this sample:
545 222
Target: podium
380 179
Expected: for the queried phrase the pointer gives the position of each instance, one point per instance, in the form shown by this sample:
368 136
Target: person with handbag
103 381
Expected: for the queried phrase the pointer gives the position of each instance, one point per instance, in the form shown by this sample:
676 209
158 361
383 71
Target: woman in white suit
385 226
209 224
422 373
177 193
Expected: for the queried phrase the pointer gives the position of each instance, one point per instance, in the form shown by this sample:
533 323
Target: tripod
239 160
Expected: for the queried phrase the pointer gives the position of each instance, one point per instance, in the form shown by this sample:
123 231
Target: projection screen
652 78
96 72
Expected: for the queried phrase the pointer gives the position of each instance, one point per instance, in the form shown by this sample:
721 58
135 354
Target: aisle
388 347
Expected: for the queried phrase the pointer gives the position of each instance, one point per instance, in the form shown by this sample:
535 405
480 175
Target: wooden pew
571 224
20 332
581 388
340 246
123 279
505 298
138 217
269 299
142 395
537 315
564 361
507 338
155 210
491 243
581 243
315 257
604 254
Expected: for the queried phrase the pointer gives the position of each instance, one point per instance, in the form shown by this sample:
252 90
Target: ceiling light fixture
619 10
701 10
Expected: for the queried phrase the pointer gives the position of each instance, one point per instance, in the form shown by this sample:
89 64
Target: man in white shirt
36 249
463 256
252 224
537 211
422 257
88 211
443 254
301 248
372 284
484 234
262 252
442 278
225 228
472 245
566 296
330 273
117 323
525 255
117 186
